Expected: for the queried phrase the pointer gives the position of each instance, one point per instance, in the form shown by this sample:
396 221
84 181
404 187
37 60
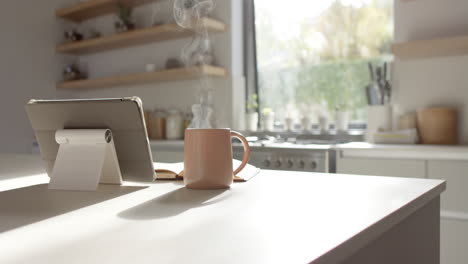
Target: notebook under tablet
123 116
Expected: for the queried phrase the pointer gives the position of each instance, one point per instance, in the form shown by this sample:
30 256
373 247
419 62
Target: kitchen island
276 217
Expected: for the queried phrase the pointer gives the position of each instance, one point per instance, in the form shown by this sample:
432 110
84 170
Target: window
312 56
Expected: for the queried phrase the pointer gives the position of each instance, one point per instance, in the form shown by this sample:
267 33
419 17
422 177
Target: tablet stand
86 157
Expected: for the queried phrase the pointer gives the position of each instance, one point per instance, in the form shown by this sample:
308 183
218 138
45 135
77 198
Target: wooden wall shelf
146 77
136 37
94 8
452 46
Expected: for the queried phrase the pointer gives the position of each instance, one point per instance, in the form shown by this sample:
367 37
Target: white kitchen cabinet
381 167
455 199
434 162
454 206
453 242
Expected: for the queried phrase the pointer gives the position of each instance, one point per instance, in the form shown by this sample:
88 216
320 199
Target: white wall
29 67
179 94
433 81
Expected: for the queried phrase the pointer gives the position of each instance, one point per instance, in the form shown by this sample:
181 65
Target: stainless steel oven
292 157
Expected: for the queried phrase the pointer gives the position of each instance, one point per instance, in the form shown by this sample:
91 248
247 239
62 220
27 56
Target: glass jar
158 124
174 125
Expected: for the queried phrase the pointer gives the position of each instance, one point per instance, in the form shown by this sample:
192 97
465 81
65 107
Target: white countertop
353 149
277 217
426 152
179 145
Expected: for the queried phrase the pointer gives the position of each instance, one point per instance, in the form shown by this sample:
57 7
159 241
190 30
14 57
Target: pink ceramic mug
208 158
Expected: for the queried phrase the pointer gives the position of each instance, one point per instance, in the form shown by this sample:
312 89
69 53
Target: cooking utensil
372 91
380 84
373 94
386 85
385 71
388 91
371 71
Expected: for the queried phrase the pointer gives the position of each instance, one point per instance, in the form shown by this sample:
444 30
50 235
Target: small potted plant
72 73
251 117
124 15
73 35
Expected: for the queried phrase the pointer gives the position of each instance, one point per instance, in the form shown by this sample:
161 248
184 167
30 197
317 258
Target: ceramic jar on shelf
175 125
158 124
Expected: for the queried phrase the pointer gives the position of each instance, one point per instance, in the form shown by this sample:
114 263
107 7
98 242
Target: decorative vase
323 124
252 121
268 121
122 27
289 123
306 123
341 121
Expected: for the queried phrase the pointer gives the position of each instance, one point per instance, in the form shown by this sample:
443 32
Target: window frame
251 66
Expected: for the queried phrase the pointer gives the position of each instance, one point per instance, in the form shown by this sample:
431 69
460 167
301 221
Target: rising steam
188 14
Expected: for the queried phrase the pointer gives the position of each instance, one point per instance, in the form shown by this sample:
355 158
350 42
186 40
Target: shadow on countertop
173 203
24 206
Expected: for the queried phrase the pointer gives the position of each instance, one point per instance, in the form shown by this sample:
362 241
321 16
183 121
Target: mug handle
246 157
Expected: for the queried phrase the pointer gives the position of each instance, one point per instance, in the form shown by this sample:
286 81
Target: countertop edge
353 245
421 152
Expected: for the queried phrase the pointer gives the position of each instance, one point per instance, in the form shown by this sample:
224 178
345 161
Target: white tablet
123 116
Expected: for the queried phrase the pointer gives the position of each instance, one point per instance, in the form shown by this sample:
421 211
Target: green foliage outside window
325 63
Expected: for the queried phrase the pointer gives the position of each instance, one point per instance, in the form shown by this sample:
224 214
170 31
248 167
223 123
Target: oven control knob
301 164
266 163
278 163
290 164
313 165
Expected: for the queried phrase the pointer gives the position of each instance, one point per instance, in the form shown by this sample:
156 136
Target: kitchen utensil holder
85 158
379 118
